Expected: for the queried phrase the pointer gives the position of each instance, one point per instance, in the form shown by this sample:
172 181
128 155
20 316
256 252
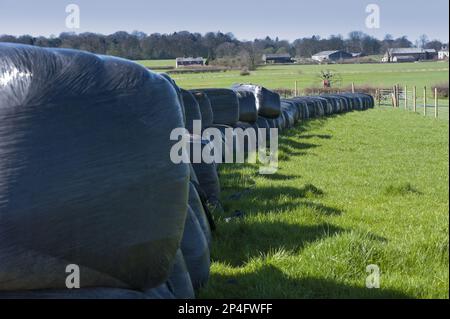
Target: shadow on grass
260 238
270 282
267 199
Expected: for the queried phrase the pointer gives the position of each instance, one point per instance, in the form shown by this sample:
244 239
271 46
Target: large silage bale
224 105
85 177
195 251
247 107
191 109
205 108
267 102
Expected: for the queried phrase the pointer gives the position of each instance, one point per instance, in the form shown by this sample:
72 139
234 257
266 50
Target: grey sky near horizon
247 20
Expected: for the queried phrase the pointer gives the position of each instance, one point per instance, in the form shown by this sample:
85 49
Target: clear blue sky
246 19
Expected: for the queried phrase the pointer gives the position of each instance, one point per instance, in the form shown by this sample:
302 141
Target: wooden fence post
415 99
296 88
435 103
353 87
394 96
424 100
406 97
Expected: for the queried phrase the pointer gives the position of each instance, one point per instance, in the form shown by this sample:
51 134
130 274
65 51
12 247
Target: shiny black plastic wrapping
85 172
224 105
247 107
267 102
205 108
195 251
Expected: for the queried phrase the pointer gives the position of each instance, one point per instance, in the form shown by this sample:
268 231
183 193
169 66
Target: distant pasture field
284 76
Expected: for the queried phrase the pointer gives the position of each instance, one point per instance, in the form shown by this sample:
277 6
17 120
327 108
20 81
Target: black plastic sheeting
327 104
230 145
262 123
206 173
179 281
224 105
248 139
292 108
195 251
85 177
178 92
290 114
267 102
88 293
197 207
191 109
205 108
247 107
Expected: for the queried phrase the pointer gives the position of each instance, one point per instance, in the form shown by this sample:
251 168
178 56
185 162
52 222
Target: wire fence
422 101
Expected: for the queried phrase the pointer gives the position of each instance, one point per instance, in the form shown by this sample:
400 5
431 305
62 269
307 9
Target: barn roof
277 55
325 53
189 59
410 51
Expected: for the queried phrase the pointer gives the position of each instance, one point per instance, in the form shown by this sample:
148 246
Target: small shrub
442 90
244 72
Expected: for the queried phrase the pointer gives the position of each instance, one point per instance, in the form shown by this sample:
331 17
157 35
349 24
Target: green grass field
284 76
352 190
157 63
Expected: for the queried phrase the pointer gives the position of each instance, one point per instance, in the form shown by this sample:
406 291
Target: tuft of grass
351 190
401 190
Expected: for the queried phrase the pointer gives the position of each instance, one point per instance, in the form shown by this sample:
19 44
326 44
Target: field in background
157 63
284 76
352 190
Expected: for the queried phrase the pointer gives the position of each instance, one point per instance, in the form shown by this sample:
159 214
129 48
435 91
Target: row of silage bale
114 108
251 106
86 180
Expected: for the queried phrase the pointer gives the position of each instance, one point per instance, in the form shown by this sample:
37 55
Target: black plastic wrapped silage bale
224 105
247 107
85 177
267 102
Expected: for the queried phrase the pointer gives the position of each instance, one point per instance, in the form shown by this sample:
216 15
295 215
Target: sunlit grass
352 190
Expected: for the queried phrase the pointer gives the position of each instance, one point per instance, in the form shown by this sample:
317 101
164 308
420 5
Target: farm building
443 54
335 55
277 58
413 54
189 62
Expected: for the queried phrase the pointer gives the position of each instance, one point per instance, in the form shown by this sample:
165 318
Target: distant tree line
215 45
